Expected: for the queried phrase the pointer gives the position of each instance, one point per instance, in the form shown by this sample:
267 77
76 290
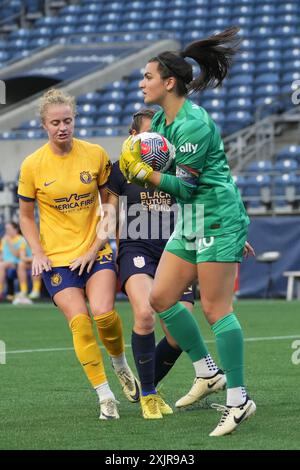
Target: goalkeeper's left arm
134 169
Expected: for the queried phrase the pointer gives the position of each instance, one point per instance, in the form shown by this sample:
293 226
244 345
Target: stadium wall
281 233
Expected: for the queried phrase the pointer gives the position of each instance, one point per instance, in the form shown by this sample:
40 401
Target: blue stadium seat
214 104
237 120
245 56
272 43
107 132
116 85
110 109
111 96
92 97
177 25
239 104
258 187
266 90
135 95
112 17
242 67
87 109
135 5
89 19
195 23
214 93
289 152
285 165
32 124
108 121
175 14
290 55
85 122
260 166
34 134
264 20
288 8
267 78
38 42
132 16
285 187
240 79
286 30
241 91
133 107
290 42
269 55
268 66
84 133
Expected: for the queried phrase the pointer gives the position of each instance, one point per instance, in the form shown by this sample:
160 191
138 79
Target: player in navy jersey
151 213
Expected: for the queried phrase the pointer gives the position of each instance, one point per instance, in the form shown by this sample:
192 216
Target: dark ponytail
213 55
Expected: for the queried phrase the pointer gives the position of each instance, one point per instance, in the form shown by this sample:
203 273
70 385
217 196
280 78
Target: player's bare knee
157 302
102 309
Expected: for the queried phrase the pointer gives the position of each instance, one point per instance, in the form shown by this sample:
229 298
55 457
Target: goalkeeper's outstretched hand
131 164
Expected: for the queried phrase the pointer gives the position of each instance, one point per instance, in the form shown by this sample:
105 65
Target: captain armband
188 175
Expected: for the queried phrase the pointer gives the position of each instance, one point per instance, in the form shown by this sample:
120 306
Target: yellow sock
110 331
87 350
23 287
36 285
1 287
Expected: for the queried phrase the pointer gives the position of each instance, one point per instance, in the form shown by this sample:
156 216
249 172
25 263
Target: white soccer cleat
129 384
21 299
108 409
203 387
232 416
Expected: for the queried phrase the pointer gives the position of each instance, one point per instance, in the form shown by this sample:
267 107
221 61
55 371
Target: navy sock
143 348
165 358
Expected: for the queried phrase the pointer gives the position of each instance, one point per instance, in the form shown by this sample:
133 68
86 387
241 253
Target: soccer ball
156 150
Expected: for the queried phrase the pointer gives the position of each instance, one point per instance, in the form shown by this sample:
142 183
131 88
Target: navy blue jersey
148 213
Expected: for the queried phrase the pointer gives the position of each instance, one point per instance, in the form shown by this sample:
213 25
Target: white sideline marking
258 338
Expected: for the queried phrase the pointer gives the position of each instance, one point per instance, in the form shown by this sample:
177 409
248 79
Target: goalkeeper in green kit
211 229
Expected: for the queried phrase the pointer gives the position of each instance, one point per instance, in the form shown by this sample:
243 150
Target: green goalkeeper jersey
202 172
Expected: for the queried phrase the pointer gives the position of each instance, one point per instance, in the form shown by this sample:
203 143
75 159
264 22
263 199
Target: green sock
185 330
230 346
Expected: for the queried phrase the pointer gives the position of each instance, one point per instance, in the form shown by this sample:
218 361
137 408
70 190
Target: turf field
46 401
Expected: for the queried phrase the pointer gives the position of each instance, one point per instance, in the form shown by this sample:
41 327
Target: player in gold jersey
65 177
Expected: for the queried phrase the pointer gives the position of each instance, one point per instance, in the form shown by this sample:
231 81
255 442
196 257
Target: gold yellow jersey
66 190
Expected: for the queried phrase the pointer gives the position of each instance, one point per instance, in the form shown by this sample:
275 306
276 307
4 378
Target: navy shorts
61 277
137 260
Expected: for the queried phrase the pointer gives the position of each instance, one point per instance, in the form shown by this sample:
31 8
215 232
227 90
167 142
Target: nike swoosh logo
50 182
203 249
144 362
210 385
238 420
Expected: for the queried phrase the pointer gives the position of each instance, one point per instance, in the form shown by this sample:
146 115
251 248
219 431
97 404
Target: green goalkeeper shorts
227 248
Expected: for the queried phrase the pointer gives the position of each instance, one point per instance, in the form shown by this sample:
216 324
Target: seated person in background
11 243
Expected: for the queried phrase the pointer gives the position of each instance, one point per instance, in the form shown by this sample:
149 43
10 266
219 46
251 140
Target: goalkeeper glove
131 165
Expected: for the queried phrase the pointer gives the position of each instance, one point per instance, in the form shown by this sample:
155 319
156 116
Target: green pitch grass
47 403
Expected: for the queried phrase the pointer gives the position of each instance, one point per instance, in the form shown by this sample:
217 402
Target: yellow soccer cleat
165 409
150 407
